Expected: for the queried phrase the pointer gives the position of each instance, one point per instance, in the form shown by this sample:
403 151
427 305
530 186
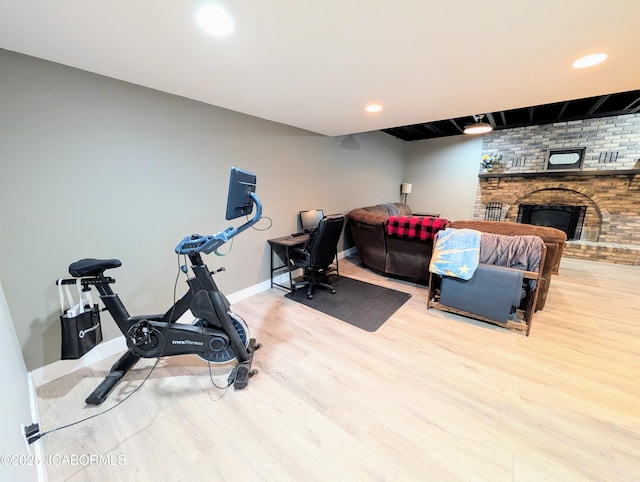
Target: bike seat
92 267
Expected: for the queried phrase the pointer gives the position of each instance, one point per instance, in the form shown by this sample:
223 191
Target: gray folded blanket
493 292
522 252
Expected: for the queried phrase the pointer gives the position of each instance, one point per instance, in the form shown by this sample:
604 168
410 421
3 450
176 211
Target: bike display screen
241 184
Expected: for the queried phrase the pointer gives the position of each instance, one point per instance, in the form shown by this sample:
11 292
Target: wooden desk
282 246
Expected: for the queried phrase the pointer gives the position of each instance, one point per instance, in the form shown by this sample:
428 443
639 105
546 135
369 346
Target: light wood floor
429 396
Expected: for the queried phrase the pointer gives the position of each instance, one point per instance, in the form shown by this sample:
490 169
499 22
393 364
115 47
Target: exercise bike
217 335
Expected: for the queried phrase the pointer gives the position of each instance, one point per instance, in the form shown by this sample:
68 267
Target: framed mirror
565 159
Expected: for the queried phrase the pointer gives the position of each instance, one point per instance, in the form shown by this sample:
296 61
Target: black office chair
318 254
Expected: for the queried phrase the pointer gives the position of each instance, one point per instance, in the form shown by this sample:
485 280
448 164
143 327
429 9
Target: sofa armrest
360 215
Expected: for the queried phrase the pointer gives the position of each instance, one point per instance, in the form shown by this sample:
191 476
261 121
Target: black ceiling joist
578 109
598 104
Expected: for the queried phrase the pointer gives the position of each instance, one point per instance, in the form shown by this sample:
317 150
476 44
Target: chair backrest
493 212
323 241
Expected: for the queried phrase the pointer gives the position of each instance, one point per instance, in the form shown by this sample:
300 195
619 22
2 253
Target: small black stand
244 370
118 370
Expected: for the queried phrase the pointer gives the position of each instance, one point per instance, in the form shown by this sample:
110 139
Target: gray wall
16 403
95 167
444 175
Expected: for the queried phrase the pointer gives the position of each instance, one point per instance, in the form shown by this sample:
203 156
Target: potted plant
490 161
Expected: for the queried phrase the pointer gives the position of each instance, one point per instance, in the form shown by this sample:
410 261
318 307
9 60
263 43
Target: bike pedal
242 378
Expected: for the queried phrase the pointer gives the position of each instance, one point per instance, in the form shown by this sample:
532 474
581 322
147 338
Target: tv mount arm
207 244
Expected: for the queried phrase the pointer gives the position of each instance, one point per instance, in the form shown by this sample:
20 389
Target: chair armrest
299 254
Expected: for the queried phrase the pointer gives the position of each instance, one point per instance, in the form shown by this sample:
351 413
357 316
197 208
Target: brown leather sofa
403 258
553 238
409 259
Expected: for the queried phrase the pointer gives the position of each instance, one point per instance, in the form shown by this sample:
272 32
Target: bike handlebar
207 244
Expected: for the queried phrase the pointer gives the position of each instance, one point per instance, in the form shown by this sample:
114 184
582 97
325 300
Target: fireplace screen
566 218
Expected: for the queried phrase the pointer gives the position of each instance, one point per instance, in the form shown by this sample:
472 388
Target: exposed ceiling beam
563 109
600 106
455 124
634 106
433 129
598 103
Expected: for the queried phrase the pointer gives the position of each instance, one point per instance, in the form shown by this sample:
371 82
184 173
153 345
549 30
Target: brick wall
611 143
613 201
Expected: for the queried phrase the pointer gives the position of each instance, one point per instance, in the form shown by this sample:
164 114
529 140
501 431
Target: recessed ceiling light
589 61
214 20
373 108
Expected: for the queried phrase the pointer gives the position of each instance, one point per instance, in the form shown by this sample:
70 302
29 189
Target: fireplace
567 218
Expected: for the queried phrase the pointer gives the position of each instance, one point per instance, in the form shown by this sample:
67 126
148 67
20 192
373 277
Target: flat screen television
241 184
310 219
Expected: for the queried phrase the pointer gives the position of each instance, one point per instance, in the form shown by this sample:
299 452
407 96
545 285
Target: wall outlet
28 432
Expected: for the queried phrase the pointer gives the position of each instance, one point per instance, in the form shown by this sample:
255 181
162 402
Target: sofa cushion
388 209
408 258
378 209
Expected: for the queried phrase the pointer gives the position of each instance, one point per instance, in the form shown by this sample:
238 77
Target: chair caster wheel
333 292
253 372
310 297
257 346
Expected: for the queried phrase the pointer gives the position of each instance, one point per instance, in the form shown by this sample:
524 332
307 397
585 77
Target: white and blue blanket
456 253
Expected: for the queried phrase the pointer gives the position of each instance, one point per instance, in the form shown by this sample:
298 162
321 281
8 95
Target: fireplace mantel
627 172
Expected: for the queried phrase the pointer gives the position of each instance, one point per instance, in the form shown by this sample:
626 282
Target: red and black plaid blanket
415 227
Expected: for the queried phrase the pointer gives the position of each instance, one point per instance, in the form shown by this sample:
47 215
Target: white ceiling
316 64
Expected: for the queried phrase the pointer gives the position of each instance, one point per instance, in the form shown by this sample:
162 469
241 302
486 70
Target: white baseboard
36 447
281 279
60 368
347 252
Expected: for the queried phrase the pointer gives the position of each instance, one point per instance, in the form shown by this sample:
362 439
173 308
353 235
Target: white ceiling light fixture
589 61
373 108
478 127
214 20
